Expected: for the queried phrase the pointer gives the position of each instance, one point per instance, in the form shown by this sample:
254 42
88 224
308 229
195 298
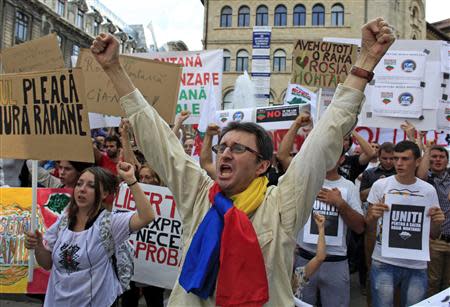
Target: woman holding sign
78 247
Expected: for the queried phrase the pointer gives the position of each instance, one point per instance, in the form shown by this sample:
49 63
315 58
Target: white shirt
351 196
388 186
82 273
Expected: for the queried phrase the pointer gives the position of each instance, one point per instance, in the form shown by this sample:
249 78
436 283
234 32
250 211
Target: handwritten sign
158 82
36 55
322 64
43 116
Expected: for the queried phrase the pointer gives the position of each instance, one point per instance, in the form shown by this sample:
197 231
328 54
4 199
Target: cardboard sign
157 245
15 219
158 82
36 55
43 116
406 228
322 64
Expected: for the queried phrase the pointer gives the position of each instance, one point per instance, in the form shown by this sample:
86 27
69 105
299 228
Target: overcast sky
183 19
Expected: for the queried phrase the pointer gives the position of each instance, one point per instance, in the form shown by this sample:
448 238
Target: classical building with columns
76 23
228 25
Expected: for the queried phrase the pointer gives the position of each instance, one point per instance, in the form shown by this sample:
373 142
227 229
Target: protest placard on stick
43 116
158 82
39 54
321 64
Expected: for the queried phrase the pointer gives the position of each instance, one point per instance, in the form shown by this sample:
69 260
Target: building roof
438 33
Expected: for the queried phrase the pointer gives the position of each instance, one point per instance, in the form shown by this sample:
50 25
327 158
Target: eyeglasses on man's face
235 148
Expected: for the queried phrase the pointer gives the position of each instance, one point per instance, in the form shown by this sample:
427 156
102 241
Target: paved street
357 300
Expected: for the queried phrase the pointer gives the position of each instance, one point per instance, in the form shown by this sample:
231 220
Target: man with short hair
433 169
332 280
238 233
388 273
112 154
384 169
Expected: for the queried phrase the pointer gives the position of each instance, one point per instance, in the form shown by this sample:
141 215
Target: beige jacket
285 208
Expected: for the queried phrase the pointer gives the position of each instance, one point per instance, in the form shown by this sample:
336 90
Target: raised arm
285 148
298 188
367 151
314 264
179 122
128 154
144 212
154 137
206 160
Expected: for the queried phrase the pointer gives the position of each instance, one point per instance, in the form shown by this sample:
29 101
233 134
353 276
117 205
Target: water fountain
244 93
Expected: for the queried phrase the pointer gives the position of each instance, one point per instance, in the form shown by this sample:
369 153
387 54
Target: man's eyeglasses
235 148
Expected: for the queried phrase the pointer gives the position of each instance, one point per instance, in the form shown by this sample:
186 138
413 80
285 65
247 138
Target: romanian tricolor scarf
225 250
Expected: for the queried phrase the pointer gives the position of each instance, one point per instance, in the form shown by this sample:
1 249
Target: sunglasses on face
235 148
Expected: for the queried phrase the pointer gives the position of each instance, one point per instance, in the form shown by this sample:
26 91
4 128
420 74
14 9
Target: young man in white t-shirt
339 201
388 273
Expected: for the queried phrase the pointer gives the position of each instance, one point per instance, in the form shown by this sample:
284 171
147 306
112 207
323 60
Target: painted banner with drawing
157 245
322 64
15 219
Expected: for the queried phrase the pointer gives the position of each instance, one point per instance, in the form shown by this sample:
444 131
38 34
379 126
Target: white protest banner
305 98
280 117
200 68
444 115
158 245
445 57
97 120
406 227
397 100
234 115
401 67
334 224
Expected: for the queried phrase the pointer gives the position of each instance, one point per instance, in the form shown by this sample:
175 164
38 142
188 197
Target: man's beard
112 155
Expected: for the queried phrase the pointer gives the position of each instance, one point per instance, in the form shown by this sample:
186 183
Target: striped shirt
442 185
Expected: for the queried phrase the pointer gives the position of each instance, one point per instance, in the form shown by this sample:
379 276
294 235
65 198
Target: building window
280 16
226 60
75 50
262 16
318 15
21 33
96 28
279 60
80 19
244 16
225 17
299 15
60 40
242 60
61 7
228 100
337 15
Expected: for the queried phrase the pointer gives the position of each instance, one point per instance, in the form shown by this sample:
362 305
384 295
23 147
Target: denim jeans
384 278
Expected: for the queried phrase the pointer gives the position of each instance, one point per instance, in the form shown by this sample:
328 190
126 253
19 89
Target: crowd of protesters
259 263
